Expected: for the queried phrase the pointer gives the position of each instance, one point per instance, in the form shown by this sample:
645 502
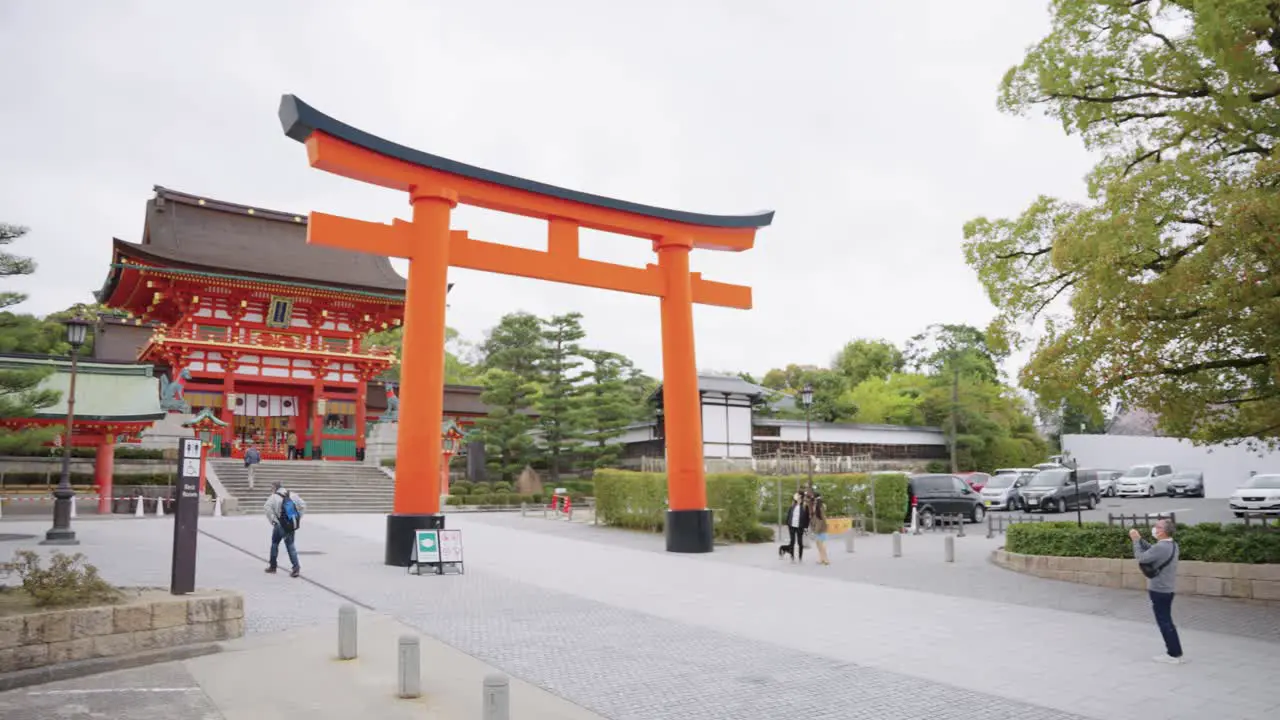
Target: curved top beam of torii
300 120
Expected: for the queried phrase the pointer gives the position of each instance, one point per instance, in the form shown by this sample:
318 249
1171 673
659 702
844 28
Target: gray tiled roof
207 233
723 384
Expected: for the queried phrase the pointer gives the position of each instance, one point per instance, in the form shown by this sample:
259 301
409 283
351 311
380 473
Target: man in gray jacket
284 511
1162 556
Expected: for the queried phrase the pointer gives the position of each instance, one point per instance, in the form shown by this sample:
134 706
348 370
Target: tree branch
1231 363
1024 253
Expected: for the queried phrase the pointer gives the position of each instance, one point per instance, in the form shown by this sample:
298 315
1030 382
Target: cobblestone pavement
159 692
631 633
138 552
972 576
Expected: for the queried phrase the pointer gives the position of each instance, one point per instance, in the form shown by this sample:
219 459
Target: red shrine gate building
267 332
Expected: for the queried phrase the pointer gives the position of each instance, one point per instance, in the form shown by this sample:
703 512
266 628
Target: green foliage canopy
1170 271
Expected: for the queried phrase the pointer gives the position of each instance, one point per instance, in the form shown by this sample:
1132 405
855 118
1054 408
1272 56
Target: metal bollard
950 548
848 541
991 526
897 543
347 632
523 507
544 512
497 698
410 667
961 533
568 515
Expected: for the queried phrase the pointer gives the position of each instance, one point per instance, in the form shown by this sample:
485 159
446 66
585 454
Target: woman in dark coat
797 522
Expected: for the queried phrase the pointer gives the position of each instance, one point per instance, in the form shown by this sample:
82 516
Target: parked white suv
1144 481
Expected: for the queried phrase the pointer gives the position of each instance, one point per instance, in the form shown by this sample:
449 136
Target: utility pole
955 406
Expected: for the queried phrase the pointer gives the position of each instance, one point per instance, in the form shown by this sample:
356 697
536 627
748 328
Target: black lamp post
1075 478
61 532
806 399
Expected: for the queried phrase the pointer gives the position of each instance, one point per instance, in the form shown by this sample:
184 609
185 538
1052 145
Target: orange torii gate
435 185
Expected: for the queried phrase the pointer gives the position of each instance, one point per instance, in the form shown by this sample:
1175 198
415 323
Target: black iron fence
1134 520
1262 521
1001 523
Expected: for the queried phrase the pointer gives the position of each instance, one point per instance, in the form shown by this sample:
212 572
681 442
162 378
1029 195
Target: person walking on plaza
1159 562
284 511
797 523
292 440
251 458
818 526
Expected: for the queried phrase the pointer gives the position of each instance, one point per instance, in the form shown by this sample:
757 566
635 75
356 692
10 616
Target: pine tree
505 430
611 403
516 345
559 405
19 396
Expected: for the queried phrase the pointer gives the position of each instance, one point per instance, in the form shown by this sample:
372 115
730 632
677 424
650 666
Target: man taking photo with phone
1159 563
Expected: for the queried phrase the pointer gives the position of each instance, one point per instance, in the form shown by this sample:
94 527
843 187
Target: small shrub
388 463
455 500
501 487
65 582
938 466
462 487
456 491
759 534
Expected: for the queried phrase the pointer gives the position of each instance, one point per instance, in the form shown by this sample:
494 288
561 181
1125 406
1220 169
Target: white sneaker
1168 659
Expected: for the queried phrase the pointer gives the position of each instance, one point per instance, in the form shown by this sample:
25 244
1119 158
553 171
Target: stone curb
96 666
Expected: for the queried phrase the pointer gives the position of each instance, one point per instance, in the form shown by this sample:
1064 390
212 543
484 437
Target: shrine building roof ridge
299 120
201 233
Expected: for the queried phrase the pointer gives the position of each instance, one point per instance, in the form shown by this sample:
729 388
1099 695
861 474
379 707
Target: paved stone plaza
607 621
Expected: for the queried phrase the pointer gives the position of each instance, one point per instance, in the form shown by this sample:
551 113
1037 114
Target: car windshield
1048 478
1270 482
1139 471
1001 481
1187 476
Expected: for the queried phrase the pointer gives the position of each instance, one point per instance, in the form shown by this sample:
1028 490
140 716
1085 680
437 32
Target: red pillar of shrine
362 390
228 411
104 466
317 421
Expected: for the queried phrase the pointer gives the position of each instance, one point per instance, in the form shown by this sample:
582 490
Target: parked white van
1146 480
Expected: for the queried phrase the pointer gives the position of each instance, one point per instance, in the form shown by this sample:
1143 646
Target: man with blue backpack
284 510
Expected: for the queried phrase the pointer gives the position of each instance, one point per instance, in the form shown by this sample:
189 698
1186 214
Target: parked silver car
1004 490
1107 482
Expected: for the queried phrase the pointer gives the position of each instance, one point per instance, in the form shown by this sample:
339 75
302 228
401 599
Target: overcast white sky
870 127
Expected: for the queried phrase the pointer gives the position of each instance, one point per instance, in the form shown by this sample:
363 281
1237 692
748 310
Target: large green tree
456 370
1162 289
560 409
20 396
830 401
613 398
505 431
861 359
515 344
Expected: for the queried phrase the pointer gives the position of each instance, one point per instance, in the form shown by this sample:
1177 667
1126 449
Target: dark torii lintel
299 120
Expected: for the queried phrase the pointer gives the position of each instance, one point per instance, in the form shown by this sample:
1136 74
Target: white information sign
191 467
450 546
191 448
426 546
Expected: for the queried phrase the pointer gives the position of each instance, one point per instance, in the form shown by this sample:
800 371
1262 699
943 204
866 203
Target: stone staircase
326 487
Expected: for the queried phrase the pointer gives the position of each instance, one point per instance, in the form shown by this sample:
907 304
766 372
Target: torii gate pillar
435 185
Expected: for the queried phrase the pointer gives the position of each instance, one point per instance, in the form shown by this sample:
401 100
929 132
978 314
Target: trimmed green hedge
18 480
121 452
843 494
638 501
1209 542
499 499
632 500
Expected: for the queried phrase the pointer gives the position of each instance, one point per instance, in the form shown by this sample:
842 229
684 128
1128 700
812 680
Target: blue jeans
276 536
1162 606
